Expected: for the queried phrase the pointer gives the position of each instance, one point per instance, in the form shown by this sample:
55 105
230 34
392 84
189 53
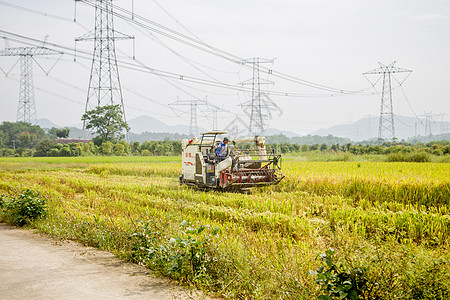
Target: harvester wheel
181 179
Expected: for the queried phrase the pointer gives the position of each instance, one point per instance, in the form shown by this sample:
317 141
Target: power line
51 93
104 82
259 110
37 12
386 129
192 64
295 21
26 111
193 108
195 43
82 104
146 69
175 19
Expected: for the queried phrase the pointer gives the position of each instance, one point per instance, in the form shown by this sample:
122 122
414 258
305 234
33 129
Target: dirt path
33 266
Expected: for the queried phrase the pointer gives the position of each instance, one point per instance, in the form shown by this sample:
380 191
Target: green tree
43 147
323 147
135 148
10 132
55 133
26 139
63 132
88 149
119 149
107 122
107 148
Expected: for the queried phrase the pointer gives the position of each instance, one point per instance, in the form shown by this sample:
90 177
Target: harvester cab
241 167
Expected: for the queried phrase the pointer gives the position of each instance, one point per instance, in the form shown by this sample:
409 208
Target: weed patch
20 210
185 257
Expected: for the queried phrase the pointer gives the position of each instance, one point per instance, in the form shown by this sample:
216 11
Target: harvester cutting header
220 164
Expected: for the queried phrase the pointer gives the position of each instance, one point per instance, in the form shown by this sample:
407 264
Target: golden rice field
392 219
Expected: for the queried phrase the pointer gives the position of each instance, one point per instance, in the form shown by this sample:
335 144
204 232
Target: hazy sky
327 42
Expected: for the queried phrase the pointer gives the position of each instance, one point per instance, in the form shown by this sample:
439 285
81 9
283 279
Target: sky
327 42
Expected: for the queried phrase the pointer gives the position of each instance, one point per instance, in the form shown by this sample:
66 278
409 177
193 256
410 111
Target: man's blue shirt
221 150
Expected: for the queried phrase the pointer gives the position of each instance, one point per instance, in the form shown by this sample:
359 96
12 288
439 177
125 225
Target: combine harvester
238 170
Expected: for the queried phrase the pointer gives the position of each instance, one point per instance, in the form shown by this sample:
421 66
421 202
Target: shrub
107 148
419 157
7 152
65 151
53 152
86 149
185 257
43 147
119 149
428 281
26 207
336 282
75 149
409 157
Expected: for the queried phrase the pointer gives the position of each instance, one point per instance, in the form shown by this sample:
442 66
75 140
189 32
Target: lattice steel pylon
386 129
193 107
26 111
260 105
104 82
429 122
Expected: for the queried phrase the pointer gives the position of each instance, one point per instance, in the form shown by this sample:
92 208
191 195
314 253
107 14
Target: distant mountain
46 123
273 131
362 130
429 138
367 128
149 124
77 125
156 136
146 123
77 133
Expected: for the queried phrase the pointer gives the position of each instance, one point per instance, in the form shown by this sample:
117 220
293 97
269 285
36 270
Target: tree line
24 139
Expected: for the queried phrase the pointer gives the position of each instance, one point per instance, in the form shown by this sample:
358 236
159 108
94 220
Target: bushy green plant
189 256
20 210
119 150
184 257
419 157
408 157
44 147
337 282
107 148
429 280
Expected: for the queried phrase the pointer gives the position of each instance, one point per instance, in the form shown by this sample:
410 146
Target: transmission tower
26 111
214 110
386 130
444 124
429 122
237 127
260 105
193 108
104 83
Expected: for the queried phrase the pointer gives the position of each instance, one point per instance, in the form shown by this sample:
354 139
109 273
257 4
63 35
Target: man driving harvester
222 149
214 163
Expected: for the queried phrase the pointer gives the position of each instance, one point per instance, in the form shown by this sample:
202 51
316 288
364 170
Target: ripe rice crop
422 185
371 213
